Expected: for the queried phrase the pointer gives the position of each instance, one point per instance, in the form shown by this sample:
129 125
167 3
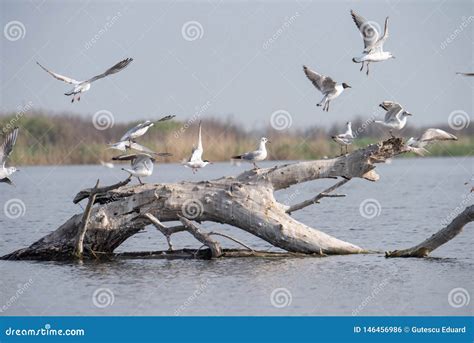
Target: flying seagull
255 156
396 116
325 85
373 43
128 140
5 151
83 86
417 145
195 161
466 74
346 138
141 164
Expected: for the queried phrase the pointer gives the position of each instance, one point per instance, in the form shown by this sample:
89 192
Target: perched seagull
396 116
195 161
373 43
330 89
466 74
141 164
82 86
5 151
417 145
345 139
255 156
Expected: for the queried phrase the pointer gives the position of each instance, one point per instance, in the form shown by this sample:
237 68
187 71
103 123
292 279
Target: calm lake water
415 196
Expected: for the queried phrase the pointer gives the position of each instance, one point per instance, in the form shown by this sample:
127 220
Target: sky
235 59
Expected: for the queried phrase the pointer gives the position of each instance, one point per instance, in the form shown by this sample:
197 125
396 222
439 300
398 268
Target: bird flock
143 158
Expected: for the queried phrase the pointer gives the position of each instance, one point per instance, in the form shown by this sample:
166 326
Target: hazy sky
246 61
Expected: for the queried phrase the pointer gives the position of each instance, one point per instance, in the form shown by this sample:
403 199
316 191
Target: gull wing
7 146
466 74
127 134
379 44
197 151
59 77
115 69
323 83
393 110
141 148
431 135
367 29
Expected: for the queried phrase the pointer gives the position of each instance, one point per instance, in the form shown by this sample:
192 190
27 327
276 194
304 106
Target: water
415 195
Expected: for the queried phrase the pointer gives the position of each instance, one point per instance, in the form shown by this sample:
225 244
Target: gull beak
409 114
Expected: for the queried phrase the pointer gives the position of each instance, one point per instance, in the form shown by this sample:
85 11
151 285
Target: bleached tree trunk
246 201
436 240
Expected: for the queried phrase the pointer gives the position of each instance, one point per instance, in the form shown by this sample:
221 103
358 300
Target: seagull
255 156
195 161
126 145
346 138
466 74
396 116
141 164
128 140
373 43
83 86
5 151
417 145
330 89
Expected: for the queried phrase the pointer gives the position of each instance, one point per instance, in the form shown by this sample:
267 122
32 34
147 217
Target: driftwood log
245 201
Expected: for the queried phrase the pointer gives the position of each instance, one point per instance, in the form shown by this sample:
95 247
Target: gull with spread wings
373 43
128 140
330 88
5 151
195 161
395 117
83 86
417 145
141 164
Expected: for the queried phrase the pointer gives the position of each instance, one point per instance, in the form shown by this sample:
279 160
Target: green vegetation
67 139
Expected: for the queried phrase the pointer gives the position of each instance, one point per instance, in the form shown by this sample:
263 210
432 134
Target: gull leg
72 98
346 150
367 68
391 134
255 165
141 183
362 67
79 98
341 149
